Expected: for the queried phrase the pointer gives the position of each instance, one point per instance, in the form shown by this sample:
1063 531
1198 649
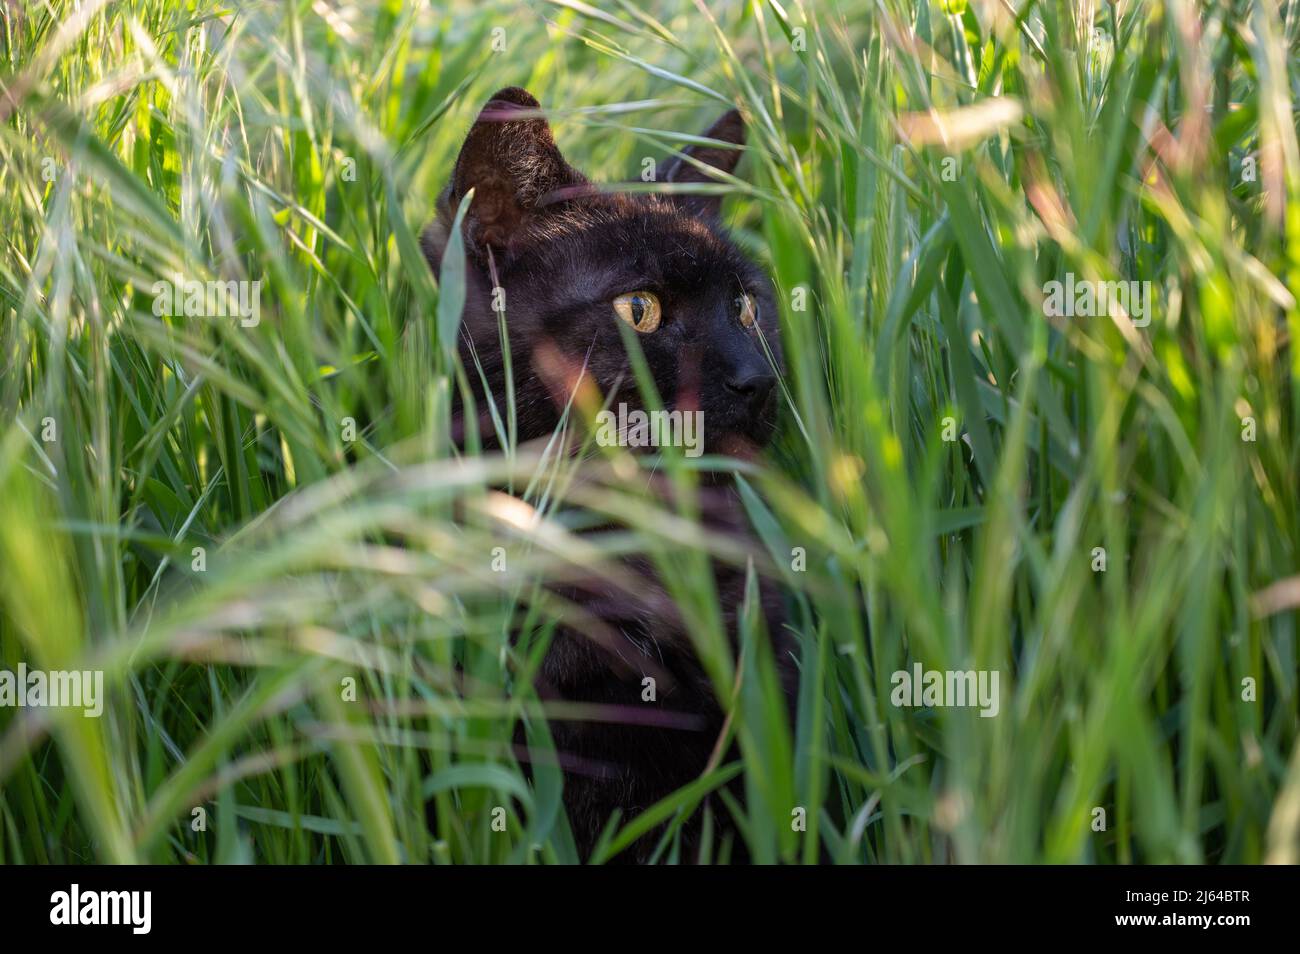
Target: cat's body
572 261
631 762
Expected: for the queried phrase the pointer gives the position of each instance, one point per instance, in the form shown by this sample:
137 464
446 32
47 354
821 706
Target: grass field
264 537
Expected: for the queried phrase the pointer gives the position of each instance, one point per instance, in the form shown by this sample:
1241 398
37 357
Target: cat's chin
739 446
744 439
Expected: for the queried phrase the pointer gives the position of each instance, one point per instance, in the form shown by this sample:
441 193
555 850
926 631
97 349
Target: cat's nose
751 385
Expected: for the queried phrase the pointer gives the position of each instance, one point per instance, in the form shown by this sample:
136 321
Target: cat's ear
730 128
511 162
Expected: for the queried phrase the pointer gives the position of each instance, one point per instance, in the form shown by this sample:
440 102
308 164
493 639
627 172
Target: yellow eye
747 310
640 309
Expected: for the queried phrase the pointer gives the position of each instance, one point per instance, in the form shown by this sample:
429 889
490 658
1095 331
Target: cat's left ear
730 128
511 162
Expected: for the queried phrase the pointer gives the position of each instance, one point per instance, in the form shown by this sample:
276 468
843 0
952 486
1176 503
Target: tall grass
181 506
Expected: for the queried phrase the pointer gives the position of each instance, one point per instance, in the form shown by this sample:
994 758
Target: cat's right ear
730 129
511 162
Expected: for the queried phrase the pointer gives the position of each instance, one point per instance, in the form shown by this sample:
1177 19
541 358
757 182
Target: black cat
573 260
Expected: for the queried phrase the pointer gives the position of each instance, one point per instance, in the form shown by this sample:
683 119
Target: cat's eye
640 309
747 310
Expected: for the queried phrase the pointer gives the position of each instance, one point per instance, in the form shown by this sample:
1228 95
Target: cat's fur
563 250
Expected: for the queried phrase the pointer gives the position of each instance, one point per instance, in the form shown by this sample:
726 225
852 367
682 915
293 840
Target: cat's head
574 260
